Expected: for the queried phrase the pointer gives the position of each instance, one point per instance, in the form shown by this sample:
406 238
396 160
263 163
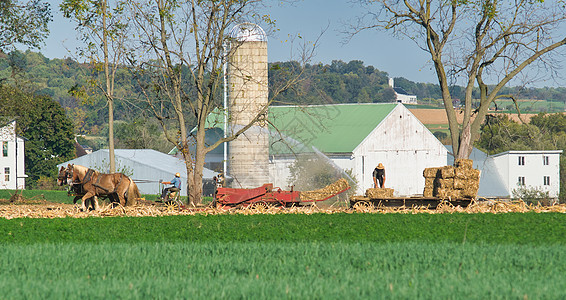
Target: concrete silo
248 162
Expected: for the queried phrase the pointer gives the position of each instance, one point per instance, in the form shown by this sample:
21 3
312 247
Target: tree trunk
111 135
109 90
199 166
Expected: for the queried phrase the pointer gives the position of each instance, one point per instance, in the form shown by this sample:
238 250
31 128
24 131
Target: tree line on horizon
334 83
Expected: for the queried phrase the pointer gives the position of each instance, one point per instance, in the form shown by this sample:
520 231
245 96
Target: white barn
12 171
357 137
145 166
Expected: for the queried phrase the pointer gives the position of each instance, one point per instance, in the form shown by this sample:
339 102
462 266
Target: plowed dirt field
438 116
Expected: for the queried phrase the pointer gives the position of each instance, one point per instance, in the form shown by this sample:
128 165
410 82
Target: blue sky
306 18
398 57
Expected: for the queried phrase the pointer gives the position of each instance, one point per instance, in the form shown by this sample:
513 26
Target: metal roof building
145 166
357 137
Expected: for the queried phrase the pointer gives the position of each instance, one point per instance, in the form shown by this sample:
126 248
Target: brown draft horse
91 184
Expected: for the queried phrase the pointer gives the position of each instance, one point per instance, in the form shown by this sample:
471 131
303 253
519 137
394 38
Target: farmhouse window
5 149
521 160
7 174
521 180
545 160
546 180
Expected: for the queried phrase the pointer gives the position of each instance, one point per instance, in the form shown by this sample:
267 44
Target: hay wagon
363 203
266 196
456 185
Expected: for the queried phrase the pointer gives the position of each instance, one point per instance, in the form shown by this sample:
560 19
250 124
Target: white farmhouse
357 137
401 95
505 172
532 169
12 171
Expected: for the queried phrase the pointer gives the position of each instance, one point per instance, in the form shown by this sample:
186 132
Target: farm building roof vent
248 32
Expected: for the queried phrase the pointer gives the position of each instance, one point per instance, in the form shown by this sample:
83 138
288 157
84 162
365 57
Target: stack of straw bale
458 181
379 193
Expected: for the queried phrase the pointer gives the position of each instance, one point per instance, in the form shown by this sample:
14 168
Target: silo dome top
248 32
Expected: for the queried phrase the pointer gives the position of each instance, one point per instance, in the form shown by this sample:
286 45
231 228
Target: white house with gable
12 169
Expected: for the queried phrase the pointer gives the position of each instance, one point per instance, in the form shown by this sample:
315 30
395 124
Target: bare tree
178 57
481 44
103 30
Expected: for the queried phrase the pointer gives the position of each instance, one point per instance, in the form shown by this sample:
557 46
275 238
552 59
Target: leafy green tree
43 123
139 134
23 23
544 132
386 95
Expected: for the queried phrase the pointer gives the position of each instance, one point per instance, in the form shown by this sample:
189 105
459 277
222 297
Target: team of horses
88 184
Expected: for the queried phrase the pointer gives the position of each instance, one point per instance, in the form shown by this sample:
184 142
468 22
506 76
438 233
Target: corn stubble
56 210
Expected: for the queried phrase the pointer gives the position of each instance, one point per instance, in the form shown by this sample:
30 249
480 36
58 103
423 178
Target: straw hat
380 166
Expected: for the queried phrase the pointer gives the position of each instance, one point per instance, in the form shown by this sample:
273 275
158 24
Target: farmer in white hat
175 188
379 175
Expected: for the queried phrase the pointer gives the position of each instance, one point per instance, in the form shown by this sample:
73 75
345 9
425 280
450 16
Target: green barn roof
337 128
333 128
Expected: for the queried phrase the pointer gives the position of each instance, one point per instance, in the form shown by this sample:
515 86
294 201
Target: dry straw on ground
56 210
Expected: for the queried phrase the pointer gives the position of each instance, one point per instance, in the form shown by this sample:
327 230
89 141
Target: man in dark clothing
379 175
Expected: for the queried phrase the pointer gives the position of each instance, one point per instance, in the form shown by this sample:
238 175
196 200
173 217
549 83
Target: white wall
405 147
533 170
406 99
279 170
13 162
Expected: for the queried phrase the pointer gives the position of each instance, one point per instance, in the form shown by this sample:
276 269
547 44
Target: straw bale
459 183
471 189
430 172
462 173
444 183
428 192
448 193
462 163
379 193
429 182
446 172
327 191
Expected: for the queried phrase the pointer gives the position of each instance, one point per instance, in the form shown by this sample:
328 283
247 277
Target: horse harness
88 177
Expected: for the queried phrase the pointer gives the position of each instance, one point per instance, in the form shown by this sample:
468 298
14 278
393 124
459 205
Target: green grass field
53 196
392 256
530 106
62 197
